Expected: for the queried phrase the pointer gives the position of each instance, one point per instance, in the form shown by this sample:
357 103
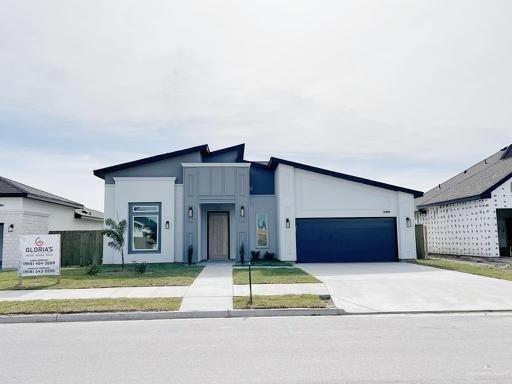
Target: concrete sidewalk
93 293
212 290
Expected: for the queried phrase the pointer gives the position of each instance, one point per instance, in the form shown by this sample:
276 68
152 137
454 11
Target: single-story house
216 203
25 210
471 213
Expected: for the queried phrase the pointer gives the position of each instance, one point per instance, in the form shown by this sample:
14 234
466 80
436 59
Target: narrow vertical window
144 227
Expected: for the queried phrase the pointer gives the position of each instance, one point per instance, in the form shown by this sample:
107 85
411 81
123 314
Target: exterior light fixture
190 212
242 211
11 228
408 222
167 224
287 223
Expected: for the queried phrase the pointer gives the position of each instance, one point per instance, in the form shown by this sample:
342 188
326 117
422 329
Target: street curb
234 313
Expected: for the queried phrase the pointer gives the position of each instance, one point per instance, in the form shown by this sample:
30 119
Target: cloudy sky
406 92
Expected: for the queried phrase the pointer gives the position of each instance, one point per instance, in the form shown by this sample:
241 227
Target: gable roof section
274 162
11 188
475 183
102 171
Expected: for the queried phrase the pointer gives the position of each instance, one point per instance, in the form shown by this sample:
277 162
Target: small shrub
255 255
93 269
269 256
140 268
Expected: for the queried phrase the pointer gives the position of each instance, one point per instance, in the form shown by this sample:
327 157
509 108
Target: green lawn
110 276
288 275
281 301
461 266
89 305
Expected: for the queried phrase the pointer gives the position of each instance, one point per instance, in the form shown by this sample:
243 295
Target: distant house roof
11 188
274 162
88 213
476 182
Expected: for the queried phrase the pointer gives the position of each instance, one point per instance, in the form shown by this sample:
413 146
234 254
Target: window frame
132 214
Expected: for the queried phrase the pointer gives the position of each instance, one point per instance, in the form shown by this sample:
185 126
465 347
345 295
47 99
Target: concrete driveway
398 287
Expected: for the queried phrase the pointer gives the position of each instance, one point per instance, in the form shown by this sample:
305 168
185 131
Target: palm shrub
115 232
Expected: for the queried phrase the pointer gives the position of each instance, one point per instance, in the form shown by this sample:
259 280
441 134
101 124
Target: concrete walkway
281 289
92 293
212 290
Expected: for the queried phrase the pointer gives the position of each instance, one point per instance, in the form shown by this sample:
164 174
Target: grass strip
89 305
281 301
504 273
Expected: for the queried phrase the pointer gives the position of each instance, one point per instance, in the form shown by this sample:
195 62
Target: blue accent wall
261 180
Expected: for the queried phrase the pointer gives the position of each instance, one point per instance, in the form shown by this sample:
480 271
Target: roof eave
101 172
54 201
274 162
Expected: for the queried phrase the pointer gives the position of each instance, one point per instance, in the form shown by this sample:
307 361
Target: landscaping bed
496 271
266 263
108 277
282 301
286 275
89 305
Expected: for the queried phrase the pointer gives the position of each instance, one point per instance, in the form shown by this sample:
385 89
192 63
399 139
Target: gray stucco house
216 202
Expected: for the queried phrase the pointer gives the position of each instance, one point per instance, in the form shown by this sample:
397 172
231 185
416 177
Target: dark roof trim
240 148
257 164
487 193
452 201
274 162
102 171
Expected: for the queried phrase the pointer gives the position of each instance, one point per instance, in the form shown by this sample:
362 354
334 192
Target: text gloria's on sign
39 255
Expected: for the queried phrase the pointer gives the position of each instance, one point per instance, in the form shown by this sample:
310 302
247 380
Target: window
144 227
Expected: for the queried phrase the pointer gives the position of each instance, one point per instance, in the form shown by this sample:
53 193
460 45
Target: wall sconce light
190 212
408 222
287 223
167 224
242 211
11 228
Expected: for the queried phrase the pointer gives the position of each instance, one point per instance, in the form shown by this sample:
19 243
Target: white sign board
39 255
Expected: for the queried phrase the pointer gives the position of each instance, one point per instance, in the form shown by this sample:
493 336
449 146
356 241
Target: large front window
144 227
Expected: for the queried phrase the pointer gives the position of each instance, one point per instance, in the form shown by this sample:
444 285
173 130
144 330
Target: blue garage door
346 240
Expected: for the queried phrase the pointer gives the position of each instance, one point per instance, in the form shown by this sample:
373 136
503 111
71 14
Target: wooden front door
218 235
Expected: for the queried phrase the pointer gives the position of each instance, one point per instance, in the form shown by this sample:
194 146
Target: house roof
274 162
476 182
102 171
88 213
240 149
11 188
271 164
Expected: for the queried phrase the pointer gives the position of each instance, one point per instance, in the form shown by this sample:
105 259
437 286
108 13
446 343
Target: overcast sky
405 92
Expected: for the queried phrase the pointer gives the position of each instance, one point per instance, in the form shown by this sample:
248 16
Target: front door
218 235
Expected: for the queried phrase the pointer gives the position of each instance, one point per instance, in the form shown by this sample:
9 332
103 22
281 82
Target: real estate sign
39 255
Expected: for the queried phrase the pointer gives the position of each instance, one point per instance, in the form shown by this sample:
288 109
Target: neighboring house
26 210
216 202
471 214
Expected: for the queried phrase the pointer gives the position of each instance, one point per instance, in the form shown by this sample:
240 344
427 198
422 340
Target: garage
321 240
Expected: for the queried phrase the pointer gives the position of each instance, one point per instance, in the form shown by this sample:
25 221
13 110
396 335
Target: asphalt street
463 348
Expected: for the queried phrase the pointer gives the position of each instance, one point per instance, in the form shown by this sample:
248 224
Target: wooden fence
80 247
421 241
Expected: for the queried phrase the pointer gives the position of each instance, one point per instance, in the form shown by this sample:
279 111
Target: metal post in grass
250 284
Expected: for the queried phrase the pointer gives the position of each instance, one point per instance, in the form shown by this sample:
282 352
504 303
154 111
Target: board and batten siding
306 194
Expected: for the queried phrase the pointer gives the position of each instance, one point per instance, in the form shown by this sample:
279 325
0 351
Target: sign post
39 256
